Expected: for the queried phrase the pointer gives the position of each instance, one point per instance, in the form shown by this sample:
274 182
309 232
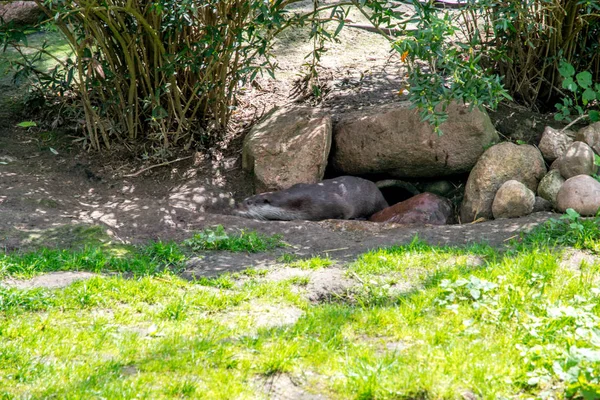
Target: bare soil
51 189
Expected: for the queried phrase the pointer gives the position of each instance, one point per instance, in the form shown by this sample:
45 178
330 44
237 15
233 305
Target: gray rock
289 146
550 185
21 12
513 200
577 160
591 136
441 188
394 141
581 193
542 204
554 143
500 163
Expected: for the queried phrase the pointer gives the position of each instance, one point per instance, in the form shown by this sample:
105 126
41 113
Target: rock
513 200
577 160
591 136
581 193
441 188
550 185
554 143
542 204
289 146
555 165
500 163
394 141
399 184
424 208
21 13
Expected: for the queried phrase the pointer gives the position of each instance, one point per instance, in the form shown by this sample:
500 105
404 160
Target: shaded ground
52 199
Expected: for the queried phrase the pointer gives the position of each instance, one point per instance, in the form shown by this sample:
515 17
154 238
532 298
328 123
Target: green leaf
572 213
566 70
594 115
569 84
584 79
588 95
27 124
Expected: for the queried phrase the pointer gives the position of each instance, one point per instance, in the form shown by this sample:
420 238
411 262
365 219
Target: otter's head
269 206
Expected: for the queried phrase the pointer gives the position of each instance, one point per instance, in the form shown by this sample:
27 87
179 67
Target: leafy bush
452 70
167 70
525 41
584 95
162 70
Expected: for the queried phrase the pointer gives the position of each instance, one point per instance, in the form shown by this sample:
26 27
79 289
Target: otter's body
346 197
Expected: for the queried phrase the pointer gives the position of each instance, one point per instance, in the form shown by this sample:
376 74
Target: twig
576 120
154 166
341 248
357 277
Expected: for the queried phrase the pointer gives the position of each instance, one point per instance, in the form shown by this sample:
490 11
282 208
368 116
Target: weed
218 239
312 263
287 258
570 230
299 280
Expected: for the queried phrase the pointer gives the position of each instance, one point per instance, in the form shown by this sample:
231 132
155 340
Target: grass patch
499 325
217 239
313 263
569 230
90 250
151 259
51 41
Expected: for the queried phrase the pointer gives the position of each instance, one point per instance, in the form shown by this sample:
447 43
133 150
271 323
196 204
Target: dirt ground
50 187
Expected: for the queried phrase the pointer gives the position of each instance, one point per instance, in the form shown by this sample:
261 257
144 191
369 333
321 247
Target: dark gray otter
346 197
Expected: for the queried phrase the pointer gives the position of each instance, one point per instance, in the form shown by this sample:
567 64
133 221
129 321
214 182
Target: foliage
570 230
161 70
167 71
218 239
525 41
584 98
452 70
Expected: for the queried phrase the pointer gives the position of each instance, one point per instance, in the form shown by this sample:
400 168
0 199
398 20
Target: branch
155 166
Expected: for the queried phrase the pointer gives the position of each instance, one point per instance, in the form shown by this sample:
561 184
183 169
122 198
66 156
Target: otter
346 197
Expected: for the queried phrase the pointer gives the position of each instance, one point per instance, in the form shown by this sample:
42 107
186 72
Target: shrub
525 41
162 70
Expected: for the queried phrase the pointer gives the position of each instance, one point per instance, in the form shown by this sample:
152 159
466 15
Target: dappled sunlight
191 197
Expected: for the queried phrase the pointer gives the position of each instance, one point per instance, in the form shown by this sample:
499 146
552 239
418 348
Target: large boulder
581 193
424 208
513 200
21 12
554 143
289 146
577 160
394 141
499 163
550 185
591 136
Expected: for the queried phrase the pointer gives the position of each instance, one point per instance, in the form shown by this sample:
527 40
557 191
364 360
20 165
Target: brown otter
346 197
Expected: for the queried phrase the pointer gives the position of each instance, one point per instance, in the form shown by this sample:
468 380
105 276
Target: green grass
510 324
150 259
52 41
570 230
311 263
218 239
